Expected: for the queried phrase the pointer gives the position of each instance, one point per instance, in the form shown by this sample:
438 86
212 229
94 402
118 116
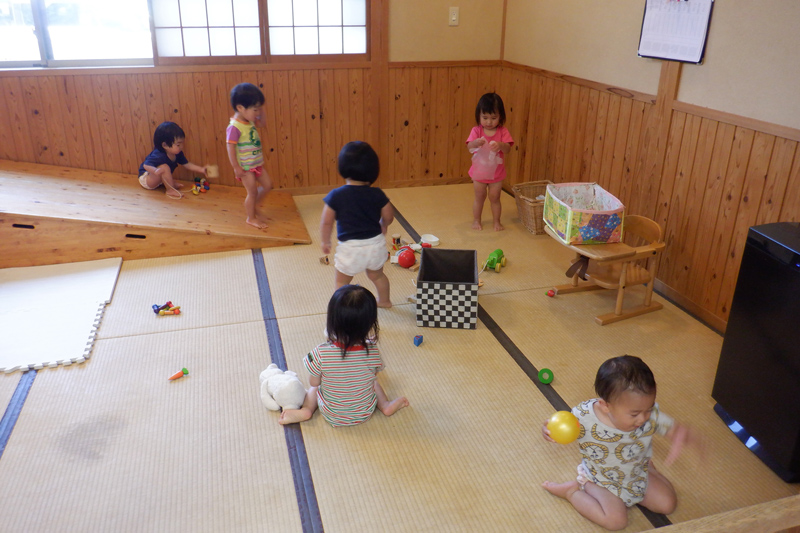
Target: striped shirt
346 395
248 144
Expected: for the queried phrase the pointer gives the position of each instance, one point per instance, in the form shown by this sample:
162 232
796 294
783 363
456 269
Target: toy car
496 260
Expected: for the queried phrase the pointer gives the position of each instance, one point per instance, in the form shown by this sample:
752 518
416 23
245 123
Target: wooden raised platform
52 214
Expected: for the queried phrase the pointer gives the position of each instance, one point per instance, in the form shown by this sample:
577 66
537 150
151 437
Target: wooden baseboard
709 319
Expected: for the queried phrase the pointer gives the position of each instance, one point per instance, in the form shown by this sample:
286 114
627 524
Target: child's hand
480 142
681 436
546 432
493 146
239 172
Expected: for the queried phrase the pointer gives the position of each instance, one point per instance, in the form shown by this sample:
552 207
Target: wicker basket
530 209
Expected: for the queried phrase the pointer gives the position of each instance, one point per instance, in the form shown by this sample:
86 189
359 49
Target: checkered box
447 289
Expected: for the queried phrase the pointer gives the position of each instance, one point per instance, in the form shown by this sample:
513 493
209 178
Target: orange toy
179 374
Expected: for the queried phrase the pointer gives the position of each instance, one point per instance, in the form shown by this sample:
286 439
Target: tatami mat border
14 407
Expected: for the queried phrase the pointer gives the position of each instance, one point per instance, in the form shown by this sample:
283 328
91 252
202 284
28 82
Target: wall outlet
453 16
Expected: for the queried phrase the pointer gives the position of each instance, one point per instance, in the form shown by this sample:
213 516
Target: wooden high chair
619 265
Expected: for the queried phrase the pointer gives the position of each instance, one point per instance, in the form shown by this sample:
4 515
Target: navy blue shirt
358 211
158 158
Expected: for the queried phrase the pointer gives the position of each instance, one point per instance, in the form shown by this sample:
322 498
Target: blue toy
417 340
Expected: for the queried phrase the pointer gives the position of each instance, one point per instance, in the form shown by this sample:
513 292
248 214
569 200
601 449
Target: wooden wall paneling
416 124
316 176
745 216
569 134
269 131
283 131
726 216
155 109
400 152
440 80
106 158
459 125
609 143
128 152
663 197
679 215
186 118
599 137
592 111
529 135
541 143
88 121
709 212
171 99
141 135
206 129
371 110
620 145
790 208
426 124
355 84
36 122
518 126
553 96
780 167
299 177
342 110
684 265
330 144
53 115
640 164
628 177
577 130
8 148
73 134
562 112
220 111
471 94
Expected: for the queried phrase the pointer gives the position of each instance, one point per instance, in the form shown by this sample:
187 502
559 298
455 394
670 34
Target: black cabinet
757 386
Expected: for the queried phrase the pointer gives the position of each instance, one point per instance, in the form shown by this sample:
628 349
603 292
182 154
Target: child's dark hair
352 317
358 161
490 103
247 95
167 132
623 373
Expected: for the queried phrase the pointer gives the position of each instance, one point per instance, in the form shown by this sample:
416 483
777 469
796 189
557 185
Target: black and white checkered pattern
447 305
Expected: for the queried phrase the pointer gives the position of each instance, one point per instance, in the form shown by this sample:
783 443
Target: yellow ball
564 427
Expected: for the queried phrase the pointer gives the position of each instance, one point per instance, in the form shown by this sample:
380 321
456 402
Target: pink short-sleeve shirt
501 135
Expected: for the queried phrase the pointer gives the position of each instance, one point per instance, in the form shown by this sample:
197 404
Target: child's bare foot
477 224
386 305
562 490
293 416
256 222
394 406
498 226
178 185
175 195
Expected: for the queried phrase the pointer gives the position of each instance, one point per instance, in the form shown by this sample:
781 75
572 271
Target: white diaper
583 476
357 255
143 182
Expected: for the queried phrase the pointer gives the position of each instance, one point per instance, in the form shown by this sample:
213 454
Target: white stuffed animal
281 390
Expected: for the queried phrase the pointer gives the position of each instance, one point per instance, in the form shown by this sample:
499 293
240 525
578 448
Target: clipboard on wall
675 30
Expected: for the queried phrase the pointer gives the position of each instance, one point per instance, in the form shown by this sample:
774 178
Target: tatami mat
211 289
112 445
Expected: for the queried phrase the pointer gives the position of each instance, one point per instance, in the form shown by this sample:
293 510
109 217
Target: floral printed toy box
583 213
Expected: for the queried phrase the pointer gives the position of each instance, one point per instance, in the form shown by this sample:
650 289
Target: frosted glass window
166 13
281 41
279 13
354 12
305 13
18 41
245 12
355 40
330 13
305 41
330 40
248 41
223 41
169 42
195 42
220 13
193 13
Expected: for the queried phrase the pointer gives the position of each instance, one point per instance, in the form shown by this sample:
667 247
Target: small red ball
551 293
406 259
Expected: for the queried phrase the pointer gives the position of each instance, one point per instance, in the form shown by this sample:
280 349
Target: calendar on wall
675 29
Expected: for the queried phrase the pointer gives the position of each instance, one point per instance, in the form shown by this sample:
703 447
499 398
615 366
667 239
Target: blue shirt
358 211
158 158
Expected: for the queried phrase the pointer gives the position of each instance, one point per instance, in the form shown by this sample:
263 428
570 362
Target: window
54 33
69 32
312 27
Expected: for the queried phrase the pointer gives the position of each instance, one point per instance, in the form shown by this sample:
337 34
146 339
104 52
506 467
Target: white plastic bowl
433 240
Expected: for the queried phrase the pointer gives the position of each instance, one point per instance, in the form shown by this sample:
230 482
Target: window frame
45 50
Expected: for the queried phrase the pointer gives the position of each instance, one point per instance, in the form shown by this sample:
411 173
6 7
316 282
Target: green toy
496 260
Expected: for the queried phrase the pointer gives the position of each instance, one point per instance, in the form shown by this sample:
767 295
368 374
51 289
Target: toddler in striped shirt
343 370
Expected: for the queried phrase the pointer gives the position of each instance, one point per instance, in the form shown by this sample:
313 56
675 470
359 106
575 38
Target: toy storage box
583 213
447 289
